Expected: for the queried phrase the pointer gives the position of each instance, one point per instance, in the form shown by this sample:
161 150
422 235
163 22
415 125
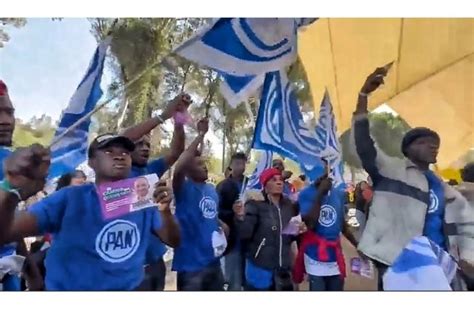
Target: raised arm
25 175
311 216
169 231
188 155
373 159
180 103
177 145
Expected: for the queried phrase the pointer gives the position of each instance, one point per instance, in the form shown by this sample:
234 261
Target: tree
386 129
137 44
37 130
14 22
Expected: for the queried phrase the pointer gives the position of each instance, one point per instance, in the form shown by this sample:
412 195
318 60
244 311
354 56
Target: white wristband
363 94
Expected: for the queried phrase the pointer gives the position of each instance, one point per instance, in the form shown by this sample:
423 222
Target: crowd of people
223 237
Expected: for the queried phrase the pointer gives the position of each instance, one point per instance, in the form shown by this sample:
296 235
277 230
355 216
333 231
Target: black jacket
229 193
261 229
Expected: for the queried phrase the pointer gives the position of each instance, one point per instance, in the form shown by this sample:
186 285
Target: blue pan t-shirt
90 253
196 211
434 216
331 216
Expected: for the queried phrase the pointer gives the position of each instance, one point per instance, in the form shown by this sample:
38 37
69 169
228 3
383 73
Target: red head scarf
267 175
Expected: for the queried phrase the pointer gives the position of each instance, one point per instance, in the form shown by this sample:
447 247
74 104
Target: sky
45 60
43 63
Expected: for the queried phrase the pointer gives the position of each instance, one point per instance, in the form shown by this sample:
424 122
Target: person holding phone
320 254
409 200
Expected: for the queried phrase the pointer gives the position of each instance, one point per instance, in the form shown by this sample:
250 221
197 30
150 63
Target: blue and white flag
280 126
328 143
422 265
265 162
243 50
71 150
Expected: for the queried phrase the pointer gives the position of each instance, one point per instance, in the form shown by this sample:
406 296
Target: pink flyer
125 196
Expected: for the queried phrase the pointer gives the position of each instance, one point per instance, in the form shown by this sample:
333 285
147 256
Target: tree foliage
137 44
4 22
37 130
386 129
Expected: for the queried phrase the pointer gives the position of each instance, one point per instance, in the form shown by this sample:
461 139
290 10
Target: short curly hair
467 173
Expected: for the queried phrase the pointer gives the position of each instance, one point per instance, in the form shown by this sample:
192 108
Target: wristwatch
5 186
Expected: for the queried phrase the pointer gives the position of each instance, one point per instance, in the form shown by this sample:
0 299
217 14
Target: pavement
353 281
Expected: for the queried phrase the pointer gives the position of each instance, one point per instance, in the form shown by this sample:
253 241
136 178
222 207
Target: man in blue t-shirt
89 253
197 259
141 165
10 281
322 209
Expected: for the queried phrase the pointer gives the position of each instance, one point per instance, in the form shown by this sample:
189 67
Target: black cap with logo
105 140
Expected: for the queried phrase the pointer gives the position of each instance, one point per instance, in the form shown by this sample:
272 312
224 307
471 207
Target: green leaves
386 129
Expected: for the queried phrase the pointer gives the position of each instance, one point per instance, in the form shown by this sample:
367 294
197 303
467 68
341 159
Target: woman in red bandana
264 224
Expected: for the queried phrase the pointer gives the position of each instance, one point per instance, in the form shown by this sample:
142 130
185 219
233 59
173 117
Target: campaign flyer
125 196
362 267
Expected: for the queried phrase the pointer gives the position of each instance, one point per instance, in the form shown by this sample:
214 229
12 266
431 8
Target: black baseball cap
106 140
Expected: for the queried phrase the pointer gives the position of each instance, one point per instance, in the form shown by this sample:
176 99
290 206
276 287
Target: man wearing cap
409 200
10 278
89 253
141 165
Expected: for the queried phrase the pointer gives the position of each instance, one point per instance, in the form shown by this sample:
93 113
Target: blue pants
234 265
209 278
326 283
11 283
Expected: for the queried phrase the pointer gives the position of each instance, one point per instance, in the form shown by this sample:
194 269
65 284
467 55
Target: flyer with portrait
125 196
364 268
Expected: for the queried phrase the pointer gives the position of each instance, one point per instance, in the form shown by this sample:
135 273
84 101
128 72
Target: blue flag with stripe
422 265
243 50
328 142
280 126
265 162
71 150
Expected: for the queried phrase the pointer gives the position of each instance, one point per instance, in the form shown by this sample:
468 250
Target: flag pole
110 99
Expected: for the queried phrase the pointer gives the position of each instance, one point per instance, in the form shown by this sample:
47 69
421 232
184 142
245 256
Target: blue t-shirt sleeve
306 199
158 167
156 222
49 212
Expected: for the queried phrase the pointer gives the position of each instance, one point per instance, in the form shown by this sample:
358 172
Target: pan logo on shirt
434 202
117 241
208 207
327 216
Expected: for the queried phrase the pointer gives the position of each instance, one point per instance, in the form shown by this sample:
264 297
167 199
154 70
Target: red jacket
311 239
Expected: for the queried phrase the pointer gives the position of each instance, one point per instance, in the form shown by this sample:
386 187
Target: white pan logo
434 202
118 241
327 216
